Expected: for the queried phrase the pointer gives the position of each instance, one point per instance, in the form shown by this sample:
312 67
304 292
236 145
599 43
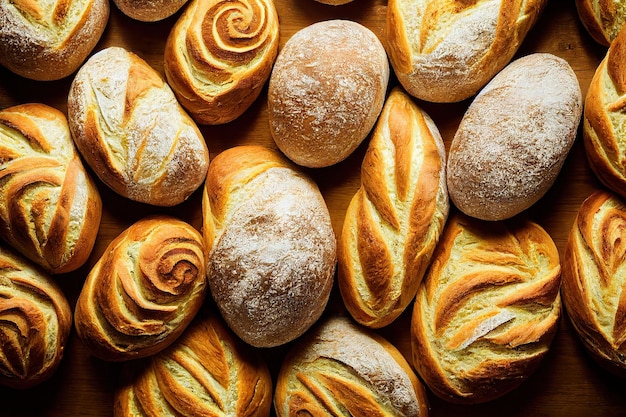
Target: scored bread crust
602 19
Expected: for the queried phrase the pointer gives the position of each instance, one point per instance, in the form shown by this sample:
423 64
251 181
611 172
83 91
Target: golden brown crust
603 19
149 10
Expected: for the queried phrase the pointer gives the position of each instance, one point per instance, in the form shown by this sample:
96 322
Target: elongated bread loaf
602 19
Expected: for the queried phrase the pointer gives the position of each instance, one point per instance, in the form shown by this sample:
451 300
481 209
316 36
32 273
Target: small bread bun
326 90
602 19
149 10
49 40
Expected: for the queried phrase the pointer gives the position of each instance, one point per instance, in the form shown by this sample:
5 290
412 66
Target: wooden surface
567 384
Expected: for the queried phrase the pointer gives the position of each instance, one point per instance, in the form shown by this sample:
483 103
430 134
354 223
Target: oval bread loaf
149 10
602 19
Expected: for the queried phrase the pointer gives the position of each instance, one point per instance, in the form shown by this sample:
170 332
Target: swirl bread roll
219 55
395 219
149 10
602 19
487 310
36 322
342 369
49 40
50 209
272 247
445 51
207 372
132 132
143 292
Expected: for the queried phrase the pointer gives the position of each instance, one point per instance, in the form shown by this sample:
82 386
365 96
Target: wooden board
568 381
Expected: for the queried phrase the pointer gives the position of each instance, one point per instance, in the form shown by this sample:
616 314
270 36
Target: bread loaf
602 19
149 10
394 221
36 322
326 91
49 40
144 290
445 51
132 132
272 247
50 209
219 55
513 139
487 310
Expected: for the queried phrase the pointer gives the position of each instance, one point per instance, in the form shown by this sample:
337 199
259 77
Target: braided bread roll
207 372
219 55
394 221
602 19
36 322
487 310
143 292
50 208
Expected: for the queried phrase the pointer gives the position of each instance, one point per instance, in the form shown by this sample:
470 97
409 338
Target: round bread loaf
149 10
602 19
513 139
326 90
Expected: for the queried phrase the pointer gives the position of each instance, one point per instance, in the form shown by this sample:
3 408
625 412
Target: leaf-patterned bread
487 310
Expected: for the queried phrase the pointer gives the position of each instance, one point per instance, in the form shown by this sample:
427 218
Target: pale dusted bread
395 219
487 310
36 322
206 372
513 139
133 133
143 291
445 51
149 10
603 19
219 55
342 369
593 279
326 90
50 208
49 40
272 246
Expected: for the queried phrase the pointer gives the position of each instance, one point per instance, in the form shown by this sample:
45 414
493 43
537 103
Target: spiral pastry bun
50 209
36 322
219 55
149 10
487 310
144 290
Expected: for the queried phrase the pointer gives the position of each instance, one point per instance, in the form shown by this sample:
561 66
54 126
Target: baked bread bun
206 372
149 10
36 322
602 19
219 55
50 209
445 51
326 90
144 290
513 139
272 247
395 219
593 281
487 310
132 132
342 369
49 40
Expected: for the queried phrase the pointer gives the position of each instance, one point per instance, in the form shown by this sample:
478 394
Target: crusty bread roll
341 368
49 40
144 290
395 219
272 247
149 10
593 279
132 131
602 19
36 322
445 51
513 139
50 208
487 310
206 372
326 91
219 55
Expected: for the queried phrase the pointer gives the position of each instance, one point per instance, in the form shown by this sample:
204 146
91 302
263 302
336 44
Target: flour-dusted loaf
487 310
133 133
36 322
143 291
49 40
149 10
219 55
602 19
395 219
514 138
326 90
50 208
339 368
272 248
